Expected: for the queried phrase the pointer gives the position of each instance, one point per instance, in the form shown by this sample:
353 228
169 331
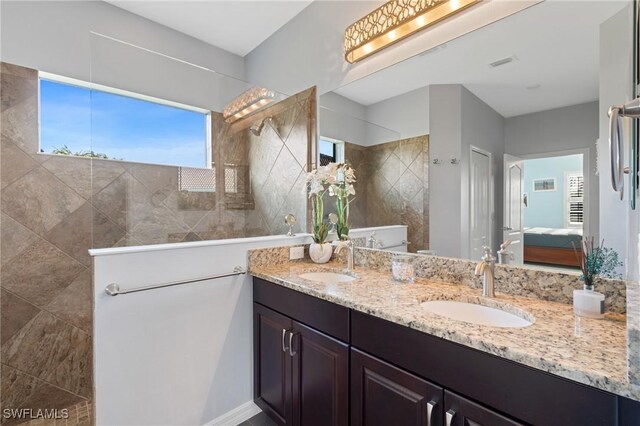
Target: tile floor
79 415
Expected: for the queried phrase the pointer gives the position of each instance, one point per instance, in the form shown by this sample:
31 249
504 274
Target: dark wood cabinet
459 411
319 363
272 365
301 375
383 395
320 378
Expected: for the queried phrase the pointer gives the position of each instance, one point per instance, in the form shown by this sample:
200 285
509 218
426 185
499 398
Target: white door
481 203
514 201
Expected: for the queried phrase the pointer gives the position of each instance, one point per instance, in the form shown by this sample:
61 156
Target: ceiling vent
502 61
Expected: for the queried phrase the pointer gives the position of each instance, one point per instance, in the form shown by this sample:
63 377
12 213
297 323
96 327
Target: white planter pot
320 253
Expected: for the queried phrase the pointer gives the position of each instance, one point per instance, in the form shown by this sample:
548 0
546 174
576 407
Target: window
331 151
96 121
574 193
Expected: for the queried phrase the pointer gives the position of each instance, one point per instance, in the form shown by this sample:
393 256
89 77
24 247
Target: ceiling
555 44
235 26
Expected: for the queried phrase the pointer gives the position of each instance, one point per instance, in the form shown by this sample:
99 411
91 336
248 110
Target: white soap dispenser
588 303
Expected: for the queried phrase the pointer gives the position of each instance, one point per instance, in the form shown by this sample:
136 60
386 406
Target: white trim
297 239
300 238
209 144
42 75
236 416
568 224
492 209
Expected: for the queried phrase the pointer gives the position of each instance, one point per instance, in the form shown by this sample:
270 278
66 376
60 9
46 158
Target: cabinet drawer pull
284 333
291 351
449 417
430 406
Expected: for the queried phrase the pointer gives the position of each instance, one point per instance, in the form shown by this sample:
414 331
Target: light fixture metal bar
395 21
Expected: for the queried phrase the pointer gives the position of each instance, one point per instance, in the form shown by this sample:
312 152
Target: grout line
41 308
84 398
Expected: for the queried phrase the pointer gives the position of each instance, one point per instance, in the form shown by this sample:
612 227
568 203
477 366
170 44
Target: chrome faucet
504 255
348 244
486 268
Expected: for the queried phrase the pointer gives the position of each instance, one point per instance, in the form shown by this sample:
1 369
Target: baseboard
236 416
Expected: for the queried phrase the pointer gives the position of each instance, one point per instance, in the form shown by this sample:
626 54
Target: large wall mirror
499 135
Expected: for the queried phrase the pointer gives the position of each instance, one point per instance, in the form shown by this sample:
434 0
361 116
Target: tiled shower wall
45 333
54 208
392 187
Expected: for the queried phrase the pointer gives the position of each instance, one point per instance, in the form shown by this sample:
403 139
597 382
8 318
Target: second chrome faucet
350 246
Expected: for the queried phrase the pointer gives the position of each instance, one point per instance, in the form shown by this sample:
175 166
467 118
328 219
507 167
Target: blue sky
120 127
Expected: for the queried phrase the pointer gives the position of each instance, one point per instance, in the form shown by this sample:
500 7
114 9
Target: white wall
483 128
445 143
407 114
180 355
560 130
342 119
313 41
616 87
399 117
458 120
53 36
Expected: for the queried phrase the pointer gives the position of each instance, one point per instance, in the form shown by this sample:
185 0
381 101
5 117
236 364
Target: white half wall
180 355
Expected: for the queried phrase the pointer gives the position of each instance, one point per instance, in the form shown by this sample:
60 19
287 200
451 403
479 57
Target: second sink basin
327 277
475 314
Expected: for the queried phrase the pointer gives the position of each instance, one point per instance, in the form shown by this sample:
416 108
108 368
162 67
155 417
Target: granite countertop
589 351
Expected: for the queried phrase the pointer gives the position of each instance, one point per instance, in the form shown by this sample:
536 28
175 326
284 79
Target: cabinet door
320 378
384 395
272 364
460 411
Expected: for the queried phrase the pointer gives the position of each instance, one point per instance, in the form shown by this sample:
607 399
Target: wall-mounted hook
455 161
437 161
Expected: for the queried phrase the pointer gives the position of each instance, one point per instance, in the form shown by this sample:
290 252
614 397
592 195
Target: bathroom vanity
323 357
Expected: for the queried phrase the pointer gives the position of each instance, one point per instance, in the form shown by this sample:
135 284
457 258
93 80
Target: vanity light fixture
394 21
248 103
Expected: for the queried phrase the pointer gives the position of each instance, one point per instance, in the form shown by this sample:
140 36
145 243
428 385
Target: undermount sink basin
475 314
327 277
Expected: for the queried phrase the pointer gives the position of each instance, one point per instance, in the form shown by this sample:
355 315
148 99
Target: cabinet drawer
325 316
521 392
460 411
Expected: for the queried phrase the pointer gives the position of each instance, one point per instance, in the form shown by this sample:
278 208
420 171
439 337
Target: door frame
586 166
492 207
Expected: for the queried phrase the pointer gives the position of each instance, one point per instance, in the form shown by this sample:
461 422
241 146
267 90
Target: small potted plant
595 262
317 182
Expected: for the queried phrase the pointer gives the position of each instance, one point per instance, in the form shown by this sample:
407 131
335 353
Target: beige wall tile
40 273
15 163
14 313
39 201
